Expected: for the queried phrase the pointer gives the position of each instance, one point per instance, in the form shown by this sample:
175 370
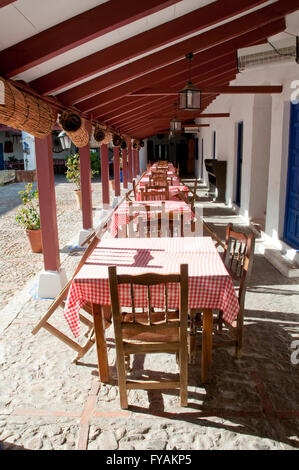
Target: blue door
1 157
239 164
291 227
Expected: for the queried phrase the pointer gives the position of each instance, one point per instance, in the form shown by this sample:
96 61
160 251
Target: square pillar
125 169
53 278
85 180
116 163
130 163
105 174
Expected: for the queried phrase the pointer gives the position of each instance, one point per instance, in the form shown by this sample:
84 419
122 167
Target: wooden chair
156 193
60 302
238 259
158 179
165 225
150 332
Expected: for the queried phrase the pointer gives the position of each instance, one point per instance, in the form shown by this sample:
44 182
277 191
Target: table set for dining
210 286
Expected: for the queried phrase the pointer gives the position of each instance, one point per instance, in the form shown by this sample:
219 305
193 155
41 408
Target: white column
28 142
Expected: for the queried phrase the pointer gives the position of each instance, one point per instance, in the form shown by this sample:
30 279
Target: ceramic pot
35 240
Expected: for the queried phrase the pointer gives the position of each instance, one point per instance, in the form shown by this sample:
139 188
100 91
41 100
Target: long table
210 286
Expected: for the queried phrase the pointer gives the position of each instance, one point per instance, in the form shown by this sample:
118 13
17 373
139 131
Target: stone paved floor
47 402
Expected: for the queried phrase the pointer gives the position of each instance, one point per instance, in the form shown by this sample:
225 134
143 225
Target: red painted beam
204 57
198 43
210 90
142 43
152 109
227 62
75 32
4 3
145 122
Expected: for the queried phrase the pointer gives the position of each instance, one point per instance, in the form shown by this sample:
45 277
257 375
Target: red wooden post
135 162
125 168
105 174
138 162
130 163
116 164
85 179
47 203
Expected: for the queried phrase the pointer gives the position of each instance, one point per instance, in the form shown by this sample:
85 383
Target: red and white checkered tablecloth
120 216
210 285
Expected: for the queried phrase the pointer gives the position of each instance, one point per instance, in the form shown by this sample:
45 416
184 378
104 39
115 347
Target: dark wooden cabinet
216 170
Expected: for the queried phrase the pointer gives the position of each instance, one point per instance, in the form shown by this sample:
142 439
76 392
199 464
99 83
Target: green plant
73 169
28 214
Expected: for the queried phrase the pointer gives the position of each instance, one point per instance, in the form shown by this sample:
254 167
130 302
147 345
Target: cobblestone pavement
48 402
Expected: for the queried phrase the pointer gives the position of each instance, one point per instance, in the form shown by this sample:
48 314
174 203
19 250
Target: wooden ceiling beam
199 43
4 3
74 32
168 103
159 36
230 90
206 57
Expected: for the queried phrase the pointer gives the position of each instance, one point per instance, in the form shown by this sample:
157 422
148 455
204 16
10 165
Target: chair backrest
238 258
158 179
145 319
161 224
156 193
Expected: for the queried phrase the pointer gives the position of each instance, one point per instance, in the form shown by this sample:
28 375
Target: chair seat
169 335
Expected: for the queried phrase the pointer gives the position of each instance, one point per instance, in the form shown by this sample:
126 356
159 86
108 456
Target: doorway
1 157
291 227
239 163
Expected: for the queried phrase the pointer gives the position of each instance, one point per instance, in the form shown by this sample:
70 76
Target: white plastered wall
265 146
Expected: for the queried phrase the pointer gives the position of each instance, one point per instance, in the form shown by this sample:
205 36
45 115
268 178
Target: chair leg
239 344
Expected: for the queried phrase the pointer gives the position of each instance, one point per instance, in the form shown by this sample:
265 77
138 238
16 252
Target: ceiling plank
75 32
256 89
142 43
199 43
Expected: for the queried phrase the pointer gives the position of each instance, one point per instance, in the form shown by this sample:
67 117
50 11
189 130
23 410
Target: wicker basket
116 140
74 126
25 112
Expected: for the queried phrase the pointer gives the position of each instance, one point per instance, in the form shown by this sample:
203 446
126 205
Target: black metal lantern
175 124
190 96
65 140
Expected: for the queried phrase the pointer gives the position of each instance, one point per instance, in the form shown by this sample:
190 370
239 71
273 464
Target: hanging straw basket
124 143
25 112
100 135
116 140
74 126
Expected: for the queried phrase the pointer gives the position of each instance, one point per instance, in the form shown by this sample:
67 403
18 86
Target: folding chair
60 302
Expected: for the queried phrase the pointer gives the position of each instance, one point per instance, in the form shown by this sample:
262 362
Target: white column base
83 234
50 283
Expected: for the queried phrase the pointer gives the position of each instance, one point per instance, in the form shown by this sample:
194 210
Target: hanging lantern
190 96
175 125
65 140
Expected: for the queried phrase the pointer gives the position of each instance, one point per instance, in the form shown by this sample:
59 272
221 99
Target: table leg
206 355
99 329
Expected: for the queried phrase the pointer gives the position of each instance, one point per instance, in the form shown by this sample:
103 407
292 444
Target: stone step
285 266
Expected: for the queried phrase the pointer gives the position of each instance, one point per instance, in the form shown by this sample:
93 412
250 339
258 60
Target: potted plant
73 175
28 216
